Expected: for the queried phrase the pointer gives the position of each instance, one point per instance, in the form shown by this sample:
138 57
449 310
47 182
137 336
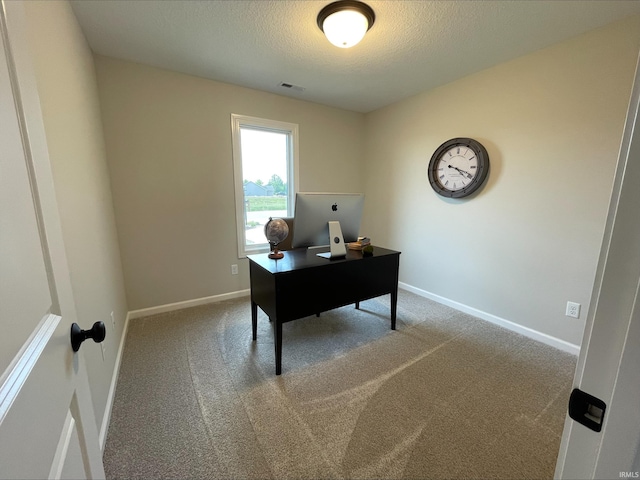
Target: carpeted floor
444 396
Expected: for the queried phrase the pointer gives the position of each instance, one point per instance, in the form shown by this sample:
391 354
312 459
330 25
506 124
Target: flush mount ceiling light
345 22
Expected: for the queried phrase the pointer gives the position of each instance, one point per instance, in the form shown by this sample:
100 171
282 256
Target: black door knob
97 332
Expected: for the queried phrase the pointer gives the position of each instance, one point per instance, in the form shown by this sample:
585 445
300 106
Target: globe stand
275 253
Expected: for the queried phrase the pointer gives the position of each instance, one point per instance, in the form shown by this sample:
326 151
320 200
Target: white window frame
289 129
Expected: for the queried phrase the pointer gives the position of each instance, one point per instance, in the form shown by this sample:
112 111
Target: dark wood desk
302 284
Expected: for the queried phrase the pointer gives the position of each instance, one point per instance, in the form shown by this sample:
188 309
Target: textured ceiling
412 47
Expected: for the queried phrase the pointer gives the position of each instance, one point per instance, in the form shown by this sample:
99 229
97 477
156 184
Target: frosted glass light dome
346 28
346 22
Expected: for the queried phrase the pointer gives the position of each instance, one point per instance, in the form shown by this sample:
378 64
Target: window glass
264 167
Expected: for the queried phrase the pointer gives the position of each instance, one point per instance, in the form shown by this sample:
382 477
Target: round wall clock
458 167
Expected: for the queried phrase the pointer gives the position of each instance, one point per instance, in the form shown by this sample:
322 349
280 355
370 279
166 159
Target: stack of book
360 244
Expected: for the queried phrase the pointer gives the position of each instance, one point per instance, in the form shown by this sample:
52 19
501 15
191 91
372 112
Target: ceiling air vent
291 86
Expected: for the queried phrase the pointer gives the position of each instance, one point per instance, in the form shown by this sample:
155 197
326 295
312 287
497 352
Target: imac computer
322 219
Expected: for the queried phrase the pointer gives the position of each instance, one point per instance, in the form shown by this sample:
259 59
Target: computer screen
313 211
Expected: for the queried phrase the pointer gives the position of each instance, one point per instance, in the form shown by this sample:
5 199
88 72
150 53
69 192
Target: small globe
276 230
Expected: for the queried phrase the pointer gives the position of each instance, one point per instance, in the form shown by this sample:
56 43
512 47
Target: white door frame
607 366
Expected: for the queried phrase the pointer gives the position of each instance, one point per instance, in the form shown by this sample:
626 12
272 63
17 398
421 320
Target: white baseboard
526 331
106 418
170 307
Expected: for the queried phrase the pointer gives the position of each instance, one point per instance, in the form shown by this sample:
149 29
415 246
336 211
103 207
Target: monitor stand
336 242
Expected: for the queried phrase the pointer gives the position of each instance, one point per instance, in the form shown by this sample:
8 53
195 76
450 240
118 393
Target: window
265 159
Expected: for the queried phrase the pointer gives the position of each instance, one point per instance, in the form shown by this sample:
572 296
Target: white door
47 425
608 365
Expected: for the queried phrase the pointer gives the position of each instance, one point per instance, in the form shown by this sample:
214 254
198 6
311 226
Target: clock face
458 167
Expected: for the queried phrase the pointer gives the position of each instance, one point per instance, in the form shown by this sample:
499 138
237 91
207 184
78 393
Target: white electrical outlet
573 310
234 269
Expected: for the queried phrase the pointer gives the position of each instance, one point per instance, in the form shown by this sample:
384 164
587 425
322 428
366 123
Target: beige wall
67 87
522 247
529 241
168 138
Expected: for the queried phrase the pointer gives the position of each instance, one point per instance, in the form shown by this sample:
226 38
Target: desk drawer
315 290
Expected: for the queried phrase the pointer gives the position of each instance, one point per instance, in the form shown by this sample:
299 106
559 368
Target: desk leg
277 340
394 305
254 320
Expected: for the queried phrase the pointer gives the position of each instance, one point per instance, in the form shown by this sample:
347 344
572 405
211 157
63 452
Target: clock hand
461 171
